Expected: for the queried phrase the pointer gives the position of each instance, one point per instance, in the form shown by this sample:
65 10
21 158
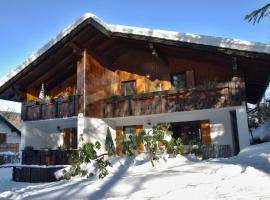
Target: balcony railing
56 108
222 95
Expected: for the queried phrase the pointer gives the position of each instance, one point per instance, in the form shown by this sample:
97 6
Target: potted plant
31 103
65 96
47 99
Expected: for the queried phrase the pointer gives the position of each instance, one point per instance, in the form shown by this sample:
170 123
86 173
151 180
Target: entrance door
235 136
70 138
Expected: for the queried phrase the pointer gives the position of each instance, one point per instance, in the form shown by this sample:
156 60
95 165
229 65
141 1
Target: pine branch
257 15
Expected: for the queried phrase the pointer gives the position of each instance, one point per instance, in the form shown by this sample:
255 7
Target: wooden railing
57 108
222 95
48 157
9 147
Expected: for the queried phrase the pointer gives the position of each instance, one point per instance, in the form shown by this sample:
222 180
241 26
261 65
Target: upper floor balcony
50 109
200 97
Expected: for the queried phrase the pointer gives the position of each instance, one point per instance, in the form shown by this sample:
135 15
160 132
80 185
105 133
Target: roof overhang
229 46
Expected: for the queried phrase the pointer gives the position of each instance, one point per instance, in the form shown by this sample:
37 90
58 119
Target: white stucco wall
44 133
243 132
220 122
94 129
12 137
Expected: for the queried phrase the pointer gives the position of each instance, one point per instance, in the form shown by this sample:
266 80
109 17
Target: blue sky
27 25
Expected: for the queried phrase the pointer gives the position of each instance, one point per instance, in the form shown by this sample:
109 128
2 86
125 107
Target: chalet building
98 76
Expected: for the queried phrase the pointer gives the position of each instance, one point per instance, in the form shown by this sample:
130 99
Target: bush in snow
88 162
157 141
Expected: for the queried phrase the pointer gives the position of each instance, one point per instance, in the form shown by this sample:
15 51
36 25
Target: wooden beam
57 68
91 43
100 48
76 49
60 77
226 51
102 59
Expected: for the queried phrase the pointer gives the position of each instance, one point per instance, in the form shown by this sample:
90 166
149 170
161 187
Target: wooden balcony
222 95
57 108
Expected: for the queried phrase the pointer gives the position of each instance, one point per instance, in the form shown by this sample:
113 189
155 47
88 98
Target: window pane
179 80
129 131
129 88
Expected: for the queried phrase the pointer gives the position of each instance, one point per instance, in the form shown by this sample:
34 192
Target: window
3 138
179 80
189 132
129 131
70 138
128 87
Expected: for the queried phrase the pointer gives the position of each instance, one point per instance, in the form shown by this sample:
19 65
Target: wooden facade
209 79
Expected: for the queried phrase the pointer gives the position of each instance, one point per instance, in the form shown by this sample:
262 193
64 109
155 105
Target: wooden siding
150 73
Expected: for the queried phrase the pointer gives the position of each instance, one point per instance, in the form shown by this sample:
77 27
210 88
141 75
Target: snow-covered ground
246 176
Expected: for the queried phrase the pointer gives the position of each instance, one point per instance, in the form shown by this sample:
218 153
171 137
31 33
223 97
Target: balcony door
70 138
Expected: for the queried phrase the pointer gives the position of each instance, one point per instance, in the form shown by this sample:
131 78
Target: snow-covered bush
88 163
157 141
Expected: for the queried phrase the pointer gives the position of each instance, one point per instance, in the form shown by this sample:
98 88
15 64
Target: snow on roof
236 44
10 124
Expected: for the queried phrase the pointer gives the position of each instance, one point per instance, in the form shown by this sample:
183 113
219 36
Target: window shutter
119 140
140 147
190 78
205 132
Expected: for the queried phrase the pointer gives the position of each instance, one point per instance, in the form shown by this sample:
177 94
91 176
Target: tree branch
258 14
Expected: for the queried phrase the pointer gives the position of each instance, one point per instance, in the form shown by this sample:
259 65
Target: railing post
40 110
74 105
56 108
103 104
129 107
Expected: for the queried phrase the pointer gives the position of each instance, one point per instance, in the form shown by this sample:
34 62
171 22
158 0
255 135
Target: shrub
155 142
88 155
28 148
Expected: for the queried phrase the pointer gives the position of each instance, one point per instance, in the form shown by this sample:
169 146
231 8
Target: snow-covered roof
10 124
227 43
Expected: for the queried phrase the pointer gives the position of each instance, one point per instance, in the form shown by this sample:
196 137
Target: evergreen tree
109 145
258 14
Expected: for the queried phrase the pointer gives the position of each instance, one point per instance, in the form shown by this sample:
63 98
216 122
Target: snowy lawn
246 176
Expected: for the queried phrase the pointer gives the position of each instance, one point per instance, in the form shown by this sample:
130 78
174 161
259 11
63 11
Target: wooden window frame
123 88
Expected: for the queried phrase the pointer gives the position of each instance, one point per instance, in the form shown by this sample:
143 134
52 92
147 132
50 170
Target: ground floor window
70 138
129 131
189 132
3 138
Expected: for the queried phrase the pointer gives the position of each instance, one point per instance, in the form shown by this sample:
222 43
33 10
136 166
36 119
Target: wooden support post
81 72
